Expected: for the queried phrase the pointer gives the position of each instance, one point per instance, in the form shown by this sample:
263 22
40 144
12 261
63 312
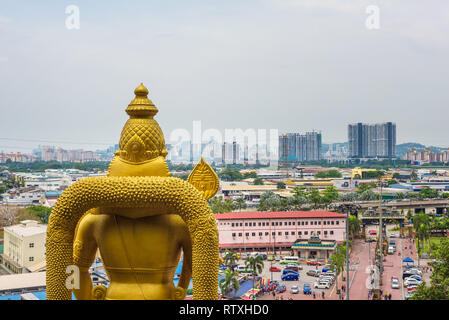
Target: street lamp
380 231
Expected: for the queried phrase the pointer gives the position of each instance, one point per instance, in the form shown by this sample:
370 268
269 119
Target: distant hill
402 148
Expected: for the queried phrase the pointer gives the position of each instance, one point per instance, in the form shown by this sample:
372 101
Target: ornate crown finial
142 138
141 106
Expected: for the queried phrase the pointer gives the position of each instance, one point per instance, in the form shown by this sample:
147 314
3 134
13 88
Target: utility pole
347 253
380 232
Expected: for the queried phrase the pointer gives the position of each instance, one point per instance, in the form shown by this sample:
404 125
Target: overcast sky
287 64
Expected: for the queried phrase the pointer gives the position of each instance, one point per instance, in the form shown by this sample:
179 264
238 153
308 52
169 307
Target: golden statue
140 219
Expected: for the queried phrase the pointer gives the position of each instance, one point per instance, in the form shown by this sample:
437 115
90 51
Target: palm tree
230 257
229 282
255 264
338 260
239 204
354 226
422 230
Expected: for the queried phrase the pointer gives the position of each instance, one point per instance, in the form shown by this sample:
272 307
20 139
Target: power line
56 141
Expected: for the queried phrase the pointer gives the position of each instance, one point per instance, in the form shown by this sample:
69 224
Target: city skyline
283 65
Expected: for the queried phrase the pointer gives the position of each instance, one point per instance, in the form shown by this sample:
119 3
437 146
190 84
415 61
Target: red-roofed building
263 231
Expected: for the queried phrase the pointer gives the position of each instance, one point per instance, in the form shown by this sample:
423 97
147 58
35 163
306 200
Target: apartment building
24 246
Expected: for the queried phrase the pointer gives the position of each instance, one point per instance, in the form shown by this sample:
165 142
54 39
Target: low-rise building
274 231
24 246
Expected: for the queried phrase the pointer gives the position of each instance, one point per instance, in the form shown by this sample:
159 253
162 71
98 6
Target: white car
321 285
392 235
330 280
414 270
395 283
294 265
411 281
294 289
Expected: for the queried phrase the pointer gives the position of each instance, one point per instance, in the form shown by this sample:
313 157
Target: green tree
43 213
366 186
399 195
255 264
280 186
250 174
315 198
354 226
330 195
269 201
439 280
219 206
258 181
229 282
337 262
421 224
299 197
368 195
230 258
333 174
239 204
349 197
427 192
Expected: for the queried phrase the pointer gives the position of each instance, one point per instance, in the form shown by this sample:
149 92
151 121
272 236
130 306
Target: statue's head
142 145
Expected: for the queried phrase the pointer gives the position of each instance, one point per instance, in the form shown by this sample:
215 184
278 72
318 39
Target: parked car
264 256
294 265
412 287
270 258
294 289
281 288
409 295
415 276
327 279
395 283
278 258
275 269
222 267
296 269
313 273
306 289
290 276
411 281
407 274
413 270
242 269
321 285
313 263
288 271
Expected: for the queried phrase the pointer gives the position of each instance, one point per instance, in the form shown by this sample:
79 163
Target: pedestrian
389 296
314 294
282 297
322 294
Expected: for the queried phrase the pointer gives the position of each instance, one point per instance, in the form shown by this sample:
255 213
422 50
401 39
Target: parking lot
303 278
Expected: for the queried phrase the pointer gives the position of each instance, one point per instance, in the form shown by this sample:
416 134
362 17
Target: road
360 277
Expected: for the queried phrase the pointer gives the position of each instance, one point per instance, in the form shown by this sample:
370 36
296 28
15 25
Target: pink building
263 231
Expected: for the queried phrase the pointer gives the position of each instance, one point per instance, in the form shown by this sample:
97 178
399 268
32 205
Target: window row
286 233
286 223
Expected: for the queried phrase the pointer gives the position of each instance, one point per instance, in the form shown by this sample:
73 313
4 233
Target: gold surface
204 178
140 219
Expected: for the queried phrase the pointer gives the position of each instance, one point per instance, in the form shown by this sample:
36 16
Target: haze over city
295 66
